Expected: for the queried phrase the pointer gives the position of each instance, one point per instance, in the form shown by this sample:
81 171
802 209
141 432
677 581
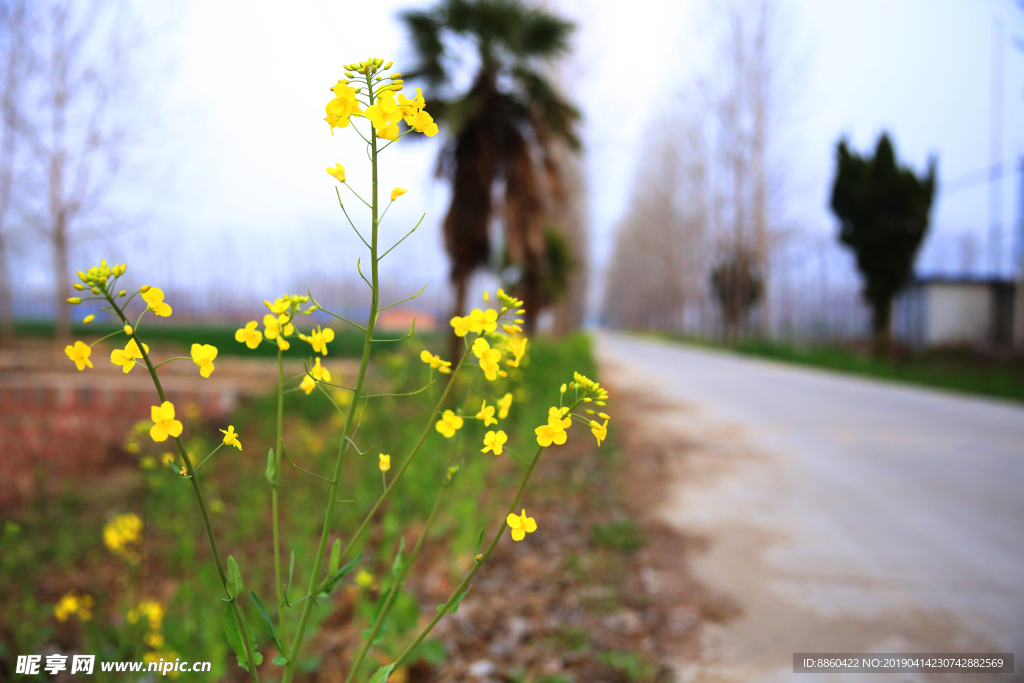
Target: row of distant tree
62 130
708 206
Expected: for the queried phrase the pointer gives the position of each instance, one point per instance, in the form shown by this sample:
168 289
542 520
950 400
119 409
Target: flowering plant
492 337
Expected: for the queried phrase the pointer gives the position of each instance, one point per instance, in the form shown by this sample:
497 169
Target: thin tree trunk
6 302
455 343
881 327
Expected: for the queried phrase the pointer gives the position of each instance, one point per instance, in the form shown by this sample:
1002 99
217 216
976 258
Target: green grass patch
348 341
622 535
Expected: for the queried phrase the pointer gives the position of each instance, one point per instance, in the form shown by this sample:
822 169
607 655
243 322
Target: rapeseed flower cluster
73 604
122 534
153 611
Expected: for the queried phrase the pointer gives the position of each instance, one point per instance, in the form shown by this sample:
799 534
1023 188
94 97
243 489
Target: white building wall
958 313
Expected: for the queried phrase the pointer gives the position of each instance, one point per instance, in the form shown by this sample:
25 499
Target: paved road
843 514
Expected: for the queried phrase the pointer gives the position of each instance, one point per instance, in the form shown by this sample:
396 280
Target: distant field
346 344
959 371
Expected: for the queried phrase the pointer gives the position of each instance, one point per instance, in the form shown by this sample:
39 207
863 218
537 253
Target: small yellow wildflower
154 640
127 356
600 431
276 325
338 172
424 123
231 438
164 423
388 132
308 384
547 435
88 319
154 298
435 361
120 533
321 374
279 307
397 192
559 417
319 339
152 610
203 355
74 604
249 335
460 325
518 348
494 441
521 525
486 414
79 354
449 424
489 358
504 403
483 321
365 579
385 462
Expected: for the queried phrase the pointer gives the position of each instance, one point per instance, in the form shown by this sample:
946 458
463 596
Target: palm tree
509 116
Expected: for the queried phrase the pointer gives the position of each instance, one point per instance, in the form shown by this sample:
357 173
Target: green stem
314 578
199 499
477 562
282 624
400 579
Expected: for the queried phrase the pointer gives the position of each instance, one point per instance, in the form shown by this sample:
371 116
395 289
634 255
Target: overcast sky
241 153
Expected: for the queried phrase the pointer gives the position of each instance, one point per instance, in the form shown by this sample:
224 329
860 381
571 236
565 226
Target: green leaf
382 674
396 566
455 605
234 636
234 584
280 660
270 625
271 468
340 574
332 566
479 542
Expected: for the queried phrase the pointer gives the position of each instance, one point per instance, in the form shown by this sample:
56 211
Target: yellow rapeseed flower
249 335
152 610
88 319
164 424
154 298
276 325
365 579
483 321
120 533
321 374
74 604
448 424
504 403
460 325
231 438
397 192
547 435
388 132
486 414
79 354
518 348
127 356
203 355
308 384
338 172
385 462
489 358
558 417
494 441
600 431
319 339
435 361
521 525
